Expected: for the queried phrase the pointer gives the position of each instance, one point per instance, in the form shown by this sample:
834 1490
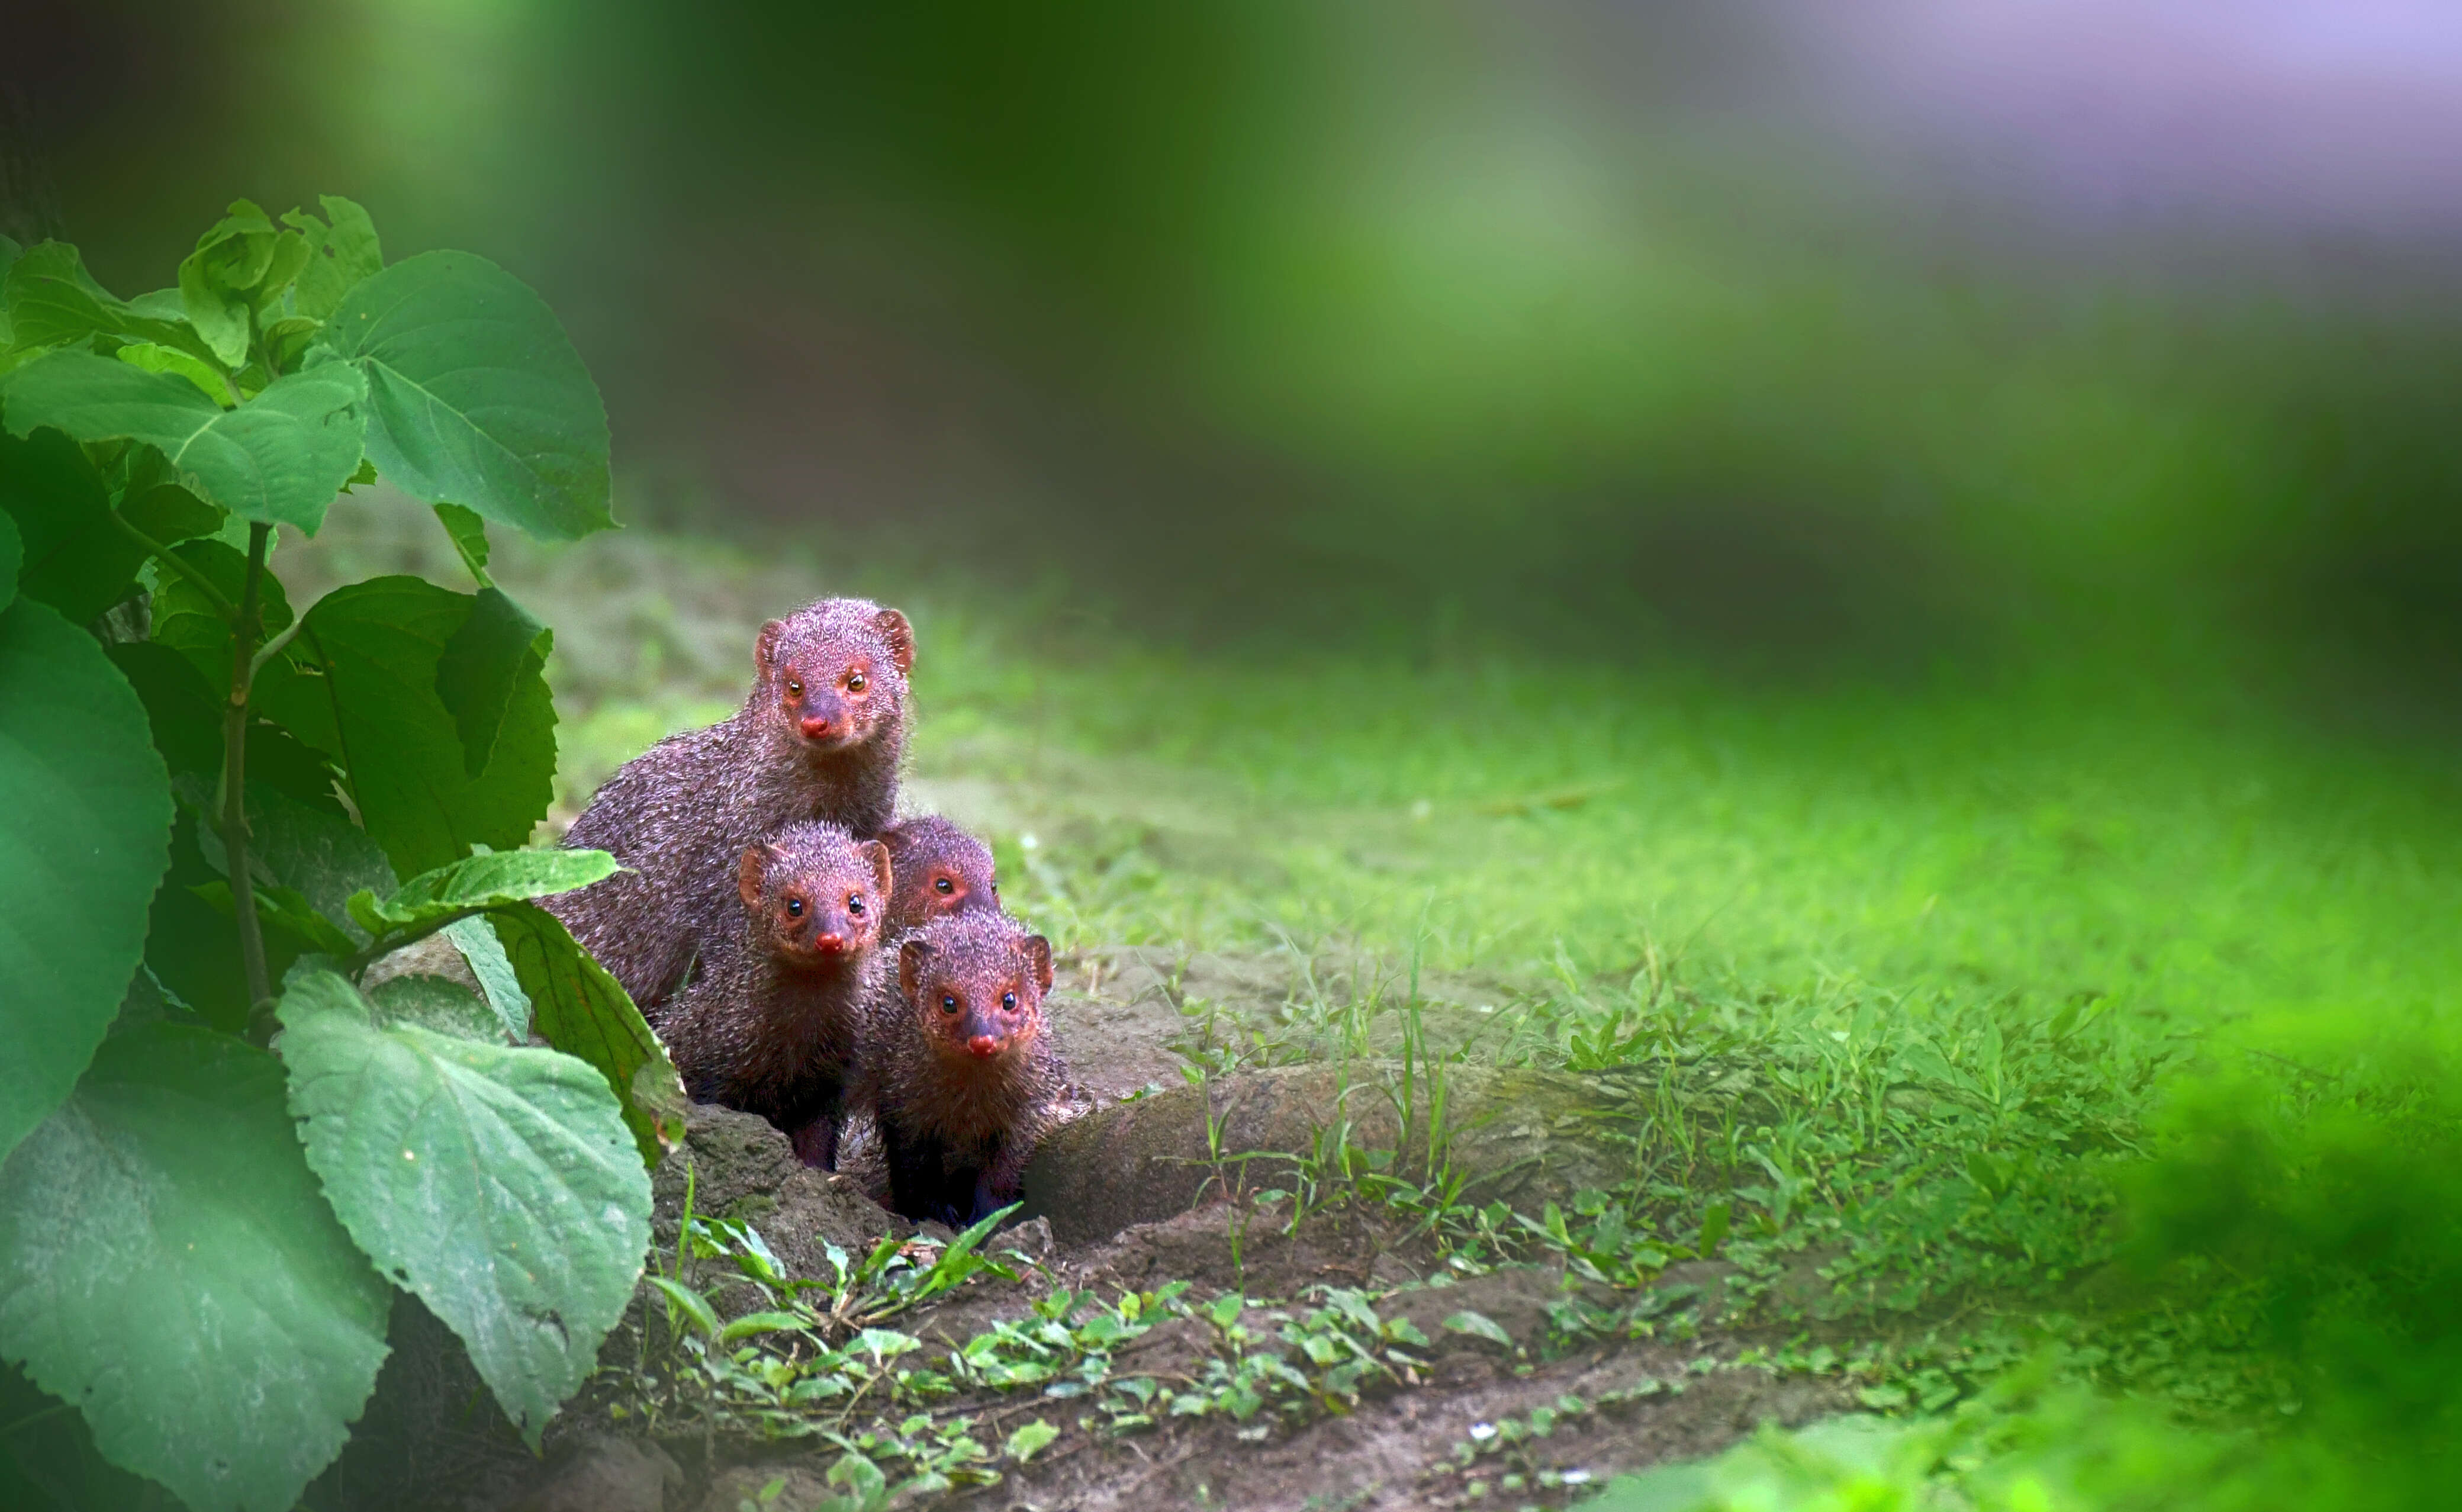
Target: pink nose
815 726
828 944
983 1045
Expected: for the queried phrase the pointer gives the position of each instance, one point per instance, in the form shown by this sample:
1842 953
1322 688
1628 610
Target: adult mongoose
820 737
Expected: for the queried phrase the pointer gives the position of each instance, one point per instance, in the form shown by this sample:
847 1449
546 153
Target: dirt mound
740 1167
1523 1137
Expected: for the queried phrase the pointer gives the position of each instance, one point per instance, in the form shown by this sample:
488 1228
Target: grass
1960 939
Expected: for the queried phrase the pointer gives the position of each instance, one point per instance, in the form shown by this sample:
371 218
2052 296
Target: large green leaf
373 706
280 458
167 1263
13 553
495 1183
476 395
340 254
579 1008
484 882
75 560
84 839
51 299
498 649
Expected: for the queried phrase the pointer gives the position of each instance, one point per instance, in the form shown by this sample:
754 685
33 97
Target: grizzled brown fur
938 869
820 737
959 1067
773 1019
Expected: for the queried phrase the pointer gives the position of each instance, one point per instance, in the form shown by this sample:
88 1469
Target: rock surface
1521 1137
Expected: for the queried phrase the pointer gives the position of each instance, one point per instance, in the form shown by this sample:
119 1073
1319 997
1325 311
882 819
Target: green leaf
316 854
73 559
12 556
373 706
502 987
1028 1438
155 357
495 1183
167 1263
84 839
489 881
497 651
435 1005
187 621
1714 1229
219 279
476 395
281 908
580 1010
692 1304
51 299
279 458
341 255
1477 1326
754 1324
468 535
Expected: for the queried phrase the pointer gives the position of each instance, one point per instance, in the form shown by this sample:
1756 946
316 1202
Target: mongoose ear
765 651
748 874
1038 953
877 855
898 636
911 956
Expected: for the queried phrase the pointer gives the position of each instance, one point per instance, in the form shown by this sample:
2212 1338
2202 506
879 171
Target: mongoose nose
815 725
830 944
983 1045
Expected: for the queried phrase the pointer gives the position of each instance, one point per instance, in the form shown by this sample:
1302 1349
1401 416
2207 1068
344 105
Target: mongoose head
937 869
817 895
975 983
833 674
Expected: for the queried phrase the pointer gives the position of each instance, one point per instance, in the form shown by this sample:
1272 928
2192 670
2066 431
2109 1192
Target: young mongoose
773 1019
959 1066
820 737
937 869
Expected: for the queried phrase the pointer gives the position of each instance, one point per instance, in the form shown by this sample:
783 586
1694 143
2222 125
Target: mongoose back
772 1021
937 869
820 737
960 1070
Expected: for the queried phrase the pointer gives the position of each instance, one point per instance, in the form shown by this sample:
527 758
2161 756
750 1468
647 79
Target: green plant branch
271 649
244 631
162 553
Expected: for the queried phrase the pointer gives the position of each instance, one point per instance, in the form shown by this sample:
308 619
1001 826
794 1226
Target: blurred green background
1621 332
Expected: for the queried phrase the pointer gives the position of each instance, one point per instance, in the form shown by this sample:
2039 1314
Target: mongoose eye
948 1004
854 683
794 687
794 908
1009 1001
854 904
944 885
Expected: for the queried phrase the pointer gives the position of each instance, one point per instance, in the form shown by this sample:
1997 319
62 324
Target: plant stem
245 628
